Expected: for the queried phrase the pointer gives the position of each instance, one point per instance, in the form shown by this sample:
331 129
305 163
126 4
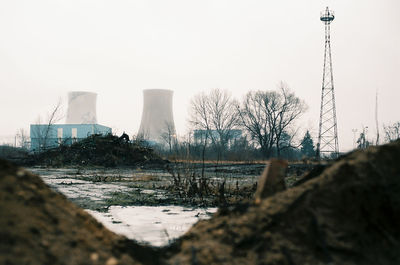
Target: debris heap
98 150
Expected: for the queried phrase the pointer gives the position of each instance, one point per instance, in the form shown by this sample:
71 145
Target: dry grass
215 162
146 178
254 162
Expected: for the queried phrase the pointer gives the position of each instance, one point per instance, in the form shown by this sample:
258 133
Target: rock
272 179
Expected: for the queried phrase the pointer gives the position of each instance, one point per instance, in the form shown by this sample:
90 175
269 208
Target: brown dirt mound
39 226
350 214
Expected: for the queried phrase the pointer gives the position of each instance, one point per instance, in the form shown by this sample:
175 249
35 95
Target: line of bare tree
267 118
215 114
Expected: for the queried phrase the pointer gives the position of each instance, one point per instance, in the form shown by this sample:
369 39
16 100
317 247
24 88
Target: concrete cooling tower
81 108
157 117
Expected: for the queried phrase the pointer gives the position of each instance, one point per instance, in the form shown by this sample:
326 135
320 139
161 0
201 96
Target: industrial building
45 136
157 125
81 122
200 136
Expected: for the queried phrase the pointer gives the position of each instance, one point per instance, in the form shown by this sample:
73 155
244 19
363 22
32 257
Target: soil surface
182 184
40 226
347 213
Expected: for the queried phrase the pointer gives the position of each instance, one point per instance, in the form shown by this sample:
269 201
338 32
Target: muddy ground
116 196
346 214
182 184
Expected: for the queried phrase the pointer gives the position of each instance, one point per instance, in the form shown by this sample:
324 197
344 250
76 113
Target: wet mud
99 188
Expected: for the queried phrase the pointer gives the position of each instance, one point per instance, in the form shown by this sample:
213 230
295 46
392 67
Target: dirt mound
39 226
349 214
98 150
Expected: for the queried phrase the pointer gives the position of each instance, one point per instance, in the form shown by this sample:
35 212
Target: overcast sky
117 48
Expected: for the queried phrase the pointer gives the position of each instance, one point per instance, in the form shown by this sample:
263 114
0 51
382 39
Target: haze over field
119 48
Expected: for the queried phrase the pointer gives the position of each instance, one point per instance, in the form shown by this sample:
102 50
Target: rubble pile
99 150
348 214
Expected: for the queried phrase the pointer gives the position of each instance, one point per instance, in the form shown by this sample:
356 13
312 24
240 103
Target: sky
118 48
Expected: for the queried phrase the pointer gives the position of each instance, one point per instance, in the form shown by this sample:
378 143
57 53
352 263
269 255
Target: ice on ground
155 225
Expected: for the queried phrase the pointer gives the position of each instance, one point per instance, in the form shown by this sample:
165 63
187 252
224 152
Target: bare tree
289 108
42 133
22 138
392 132
268 115
256 119
169 136
215 114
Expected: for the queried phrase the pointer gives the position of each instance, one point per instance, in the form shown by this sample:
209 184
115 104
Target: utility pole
376 118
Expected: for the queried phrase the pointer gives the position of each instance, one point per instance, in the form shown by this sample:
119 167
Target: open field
181 184
156 206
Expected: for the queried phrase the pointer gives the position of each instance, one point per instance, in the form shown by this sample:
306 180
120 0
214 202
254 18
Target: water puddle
76 188
157 225
154 225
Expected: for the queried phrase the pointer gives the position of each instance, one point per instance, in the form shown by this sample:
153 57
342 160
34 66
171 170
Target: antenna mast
376 118
328 144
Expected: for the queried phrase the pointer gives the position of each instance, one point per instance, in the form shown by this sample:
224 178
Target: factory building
200 136
45 136
81 122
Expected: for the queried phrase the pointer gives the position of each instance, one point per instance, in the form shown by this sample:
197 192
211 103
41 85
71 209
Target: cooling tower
157 117
81 108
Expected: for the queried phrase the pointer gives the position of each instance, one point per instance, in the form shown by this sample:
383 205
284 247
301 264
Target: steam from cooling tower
81 108
157 117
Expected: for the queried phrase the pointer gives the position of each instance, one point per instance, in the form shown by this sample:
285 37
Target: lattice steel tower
327 138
